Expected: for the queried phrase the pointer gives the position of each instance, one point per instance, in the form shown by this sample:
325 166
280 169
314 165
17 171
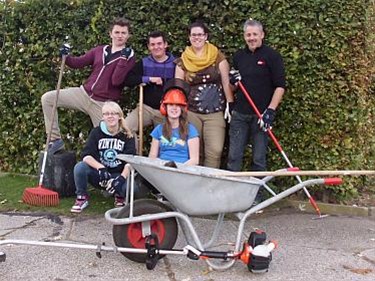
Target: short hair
156 34
250 22
120 22
200 24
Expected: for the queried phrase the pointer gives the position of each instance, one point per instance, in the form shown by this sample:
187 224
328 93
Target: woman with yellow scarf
205 68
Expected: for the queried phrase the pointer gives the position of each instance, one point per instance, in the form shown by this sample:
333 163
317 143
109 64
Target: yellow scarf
193 63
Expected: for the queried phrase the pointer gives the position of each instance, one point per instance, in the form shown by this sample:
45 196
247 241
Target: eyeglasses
197 34
110 113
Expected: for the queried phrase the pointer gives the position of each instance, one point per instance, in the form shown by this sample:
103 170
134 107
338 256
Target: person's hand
156 80
115 185
104 176
127 52
228 111
234 77
266 121
65 49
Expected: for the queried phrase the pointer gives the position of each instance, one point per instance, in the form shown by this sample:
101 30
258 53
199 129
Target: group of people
186 99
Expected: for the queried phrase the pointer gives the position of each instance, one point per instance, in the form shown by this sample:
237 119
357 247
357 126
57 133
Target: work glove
115 185
127 53
65 49
265 122
234 77
104 176
228 111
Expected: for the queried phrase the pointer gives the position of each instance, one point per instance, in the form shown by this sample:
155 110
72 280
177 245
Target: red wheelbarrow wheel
130 235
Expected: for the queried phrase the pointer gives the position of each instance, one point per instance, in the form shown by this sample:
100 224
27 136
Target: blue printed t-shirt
175 149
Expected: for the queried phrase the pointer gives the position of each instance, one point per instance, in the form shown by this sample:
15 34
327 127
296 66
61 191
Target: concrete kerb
329 209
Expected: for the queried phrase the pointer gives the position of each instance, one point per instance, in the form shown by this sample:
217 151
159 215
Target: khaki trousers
151 116
211 128
71 98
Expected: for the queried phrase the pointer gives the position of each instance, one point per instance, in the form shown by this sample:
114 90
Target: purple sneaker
119 201
82 202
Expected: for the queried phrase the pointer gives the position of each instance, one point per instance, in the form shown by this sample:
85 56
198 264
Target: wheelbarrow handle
140 121
300 173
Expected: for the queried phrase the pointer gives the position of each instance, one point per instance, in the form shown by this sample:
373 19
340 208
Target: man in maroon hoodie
110 65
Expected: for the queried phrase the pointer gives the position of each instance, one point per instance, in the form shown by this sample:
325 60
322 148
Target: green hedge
326 120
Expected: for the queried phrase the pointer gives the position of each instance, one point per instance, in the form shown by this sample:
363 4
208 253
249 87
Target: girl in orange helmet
175 139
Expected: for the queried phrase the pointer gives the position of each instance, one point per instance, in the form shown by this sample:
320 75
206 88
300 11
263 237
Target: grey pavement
333 248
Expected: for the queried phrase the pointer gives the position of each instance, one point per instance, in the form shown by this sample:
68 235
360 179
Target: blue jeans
244 128
84 174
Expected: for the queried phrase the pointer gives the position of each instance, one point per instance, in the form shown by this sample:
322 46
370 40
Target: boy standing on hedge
110 65
262 73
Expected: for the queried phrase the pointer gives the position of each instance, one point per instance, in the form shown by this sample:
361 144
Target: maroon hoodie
106 80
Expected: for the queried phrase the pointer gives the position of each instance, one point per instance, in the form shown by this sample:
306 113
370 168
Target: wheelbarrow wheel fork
134 235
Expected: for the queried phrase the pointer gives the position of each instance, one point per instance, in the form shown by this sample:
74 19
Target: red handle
333 181
293 169
259 115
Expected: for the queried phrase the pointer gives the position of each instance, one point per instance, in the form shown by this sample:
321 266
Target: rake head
40 196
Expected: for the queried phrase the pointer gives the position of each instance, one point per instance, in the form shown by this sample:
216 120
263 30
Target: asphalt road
333 248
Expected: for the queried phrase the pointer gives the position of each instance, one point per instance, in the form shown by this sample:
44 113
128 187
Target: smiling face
174 111
157 47
119 36
197 37
111 118
253 36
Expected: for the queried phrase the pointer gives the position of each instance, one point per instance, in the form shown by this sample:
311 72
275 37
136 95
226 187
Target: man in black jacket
261 70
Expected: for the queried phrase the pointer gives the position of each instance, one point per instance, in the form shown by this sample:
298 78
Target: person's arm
278 79
89 160
193 145
81 61
90 153
276 98
224 73
134 78
122 69
179 73
154 149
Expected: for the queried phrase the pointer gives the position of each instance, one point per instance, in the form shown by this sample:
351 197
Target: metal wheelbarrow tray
197 190
145 230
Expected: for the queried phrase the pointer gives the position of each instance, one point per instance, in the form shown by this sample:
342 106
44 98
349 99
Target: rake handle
54 109
272 136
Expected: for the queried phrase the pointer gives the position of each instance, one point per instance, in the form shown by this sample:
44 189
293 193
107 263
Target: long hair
183 126
116 108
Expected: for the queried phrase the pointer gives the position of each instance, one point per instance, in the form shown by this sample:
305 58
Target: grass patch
12 187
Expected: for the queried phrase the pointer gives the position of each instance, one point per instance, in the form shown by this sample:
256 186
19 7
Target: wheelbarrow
146 230
150 227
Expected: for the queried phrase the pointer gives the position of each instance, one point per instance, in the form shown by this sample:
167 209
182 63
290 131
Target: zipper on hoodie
101 70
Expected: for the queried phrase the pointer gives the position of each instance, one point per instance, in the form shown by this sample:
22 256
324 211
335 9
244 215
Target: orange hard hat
173 96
